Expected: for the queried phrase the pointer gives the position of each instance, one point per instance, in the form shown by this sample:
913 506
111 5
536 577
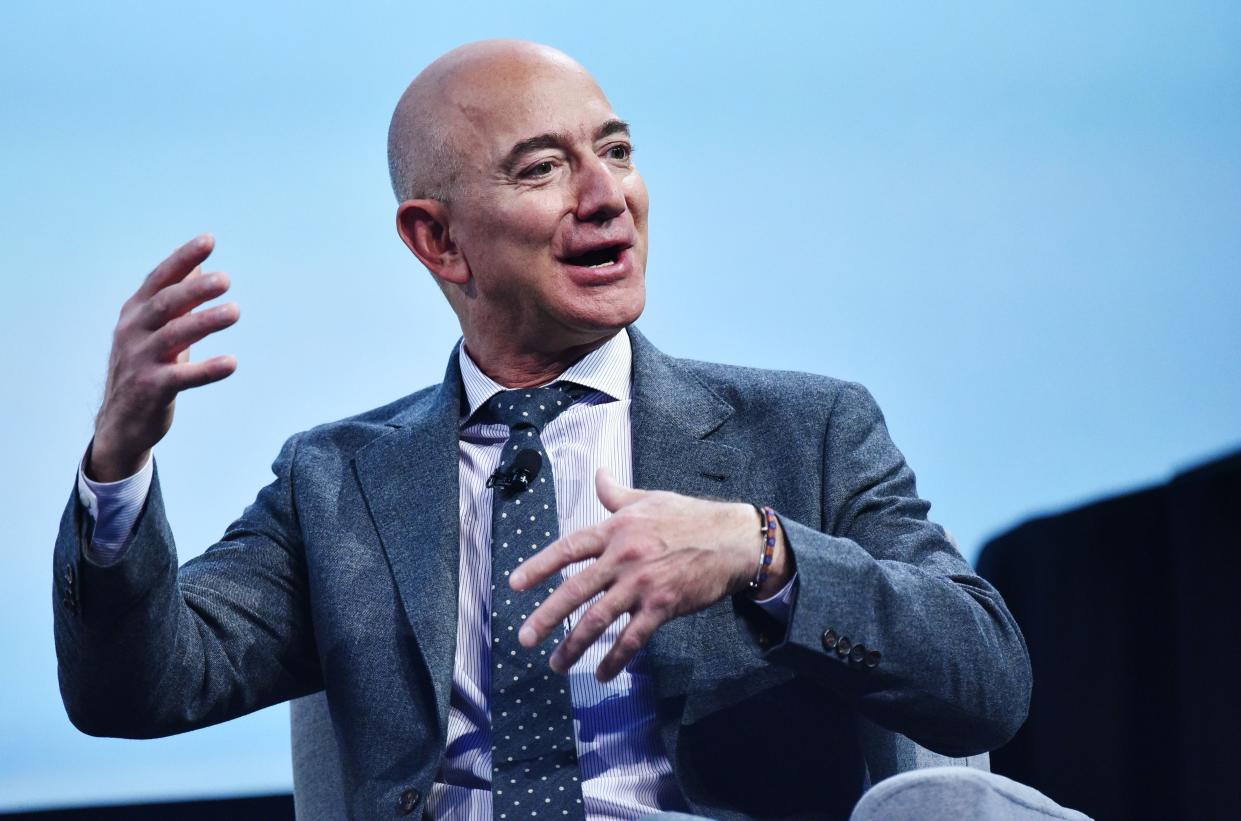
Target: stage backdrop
1016 223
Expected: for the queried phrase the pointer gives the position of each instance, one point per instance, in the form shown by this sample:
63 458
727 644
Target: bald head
448 100
519 194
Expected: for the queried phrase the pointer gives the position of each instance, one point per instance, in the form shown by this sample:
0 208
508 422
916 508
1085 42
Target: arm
944 662
951 670
145 650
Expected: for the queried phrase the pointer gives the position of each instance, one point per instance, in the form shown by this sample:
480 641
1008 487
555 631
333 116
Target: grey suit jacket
342 576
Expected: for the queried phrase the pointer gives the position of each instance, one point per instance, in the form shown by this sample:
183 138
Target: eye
539 169
620 152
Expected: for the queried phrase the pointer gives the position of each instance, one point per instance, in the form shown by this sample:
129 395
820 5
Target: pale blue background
1018 224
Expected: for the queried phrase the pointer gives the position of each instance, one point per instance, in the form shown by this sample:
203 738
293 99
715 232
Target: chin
608 309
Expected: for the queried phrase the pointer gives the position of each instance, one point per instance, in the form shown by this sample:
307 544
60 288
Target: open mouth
598 258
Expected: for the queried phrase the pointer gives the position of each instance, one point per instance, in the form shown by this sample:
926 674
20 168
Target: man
578 578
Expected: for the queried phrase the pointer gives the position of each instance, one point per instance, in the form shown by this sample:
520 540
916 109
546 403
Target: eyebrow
611 127
553 139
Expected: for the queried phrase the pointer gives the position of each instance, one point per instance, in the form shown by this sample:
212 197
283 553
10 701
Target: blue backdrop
1016 223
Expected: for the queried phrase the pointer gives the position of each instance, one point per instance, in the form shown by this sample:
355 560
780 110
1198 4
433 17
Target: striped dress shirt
625 770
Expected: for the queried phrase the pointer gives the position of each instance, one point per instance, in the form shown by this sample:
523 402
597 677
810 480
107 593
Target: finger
196 374
182 332
590 627
182 297
572 593
613 495
578 545
631 640
178 265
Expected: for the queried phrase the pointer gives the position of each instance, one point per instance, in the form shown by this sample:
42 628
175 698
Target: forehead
496 110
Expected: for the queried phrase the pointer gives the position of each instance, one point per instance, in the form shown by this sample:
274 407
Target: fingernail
526 636
516 580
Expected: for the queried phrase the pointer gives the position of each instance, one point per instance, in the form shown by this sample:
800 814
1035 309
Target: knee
955 793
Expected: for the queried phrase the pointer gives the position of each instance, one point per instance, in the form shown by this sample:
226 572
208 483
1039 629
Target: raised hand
660 555
150 360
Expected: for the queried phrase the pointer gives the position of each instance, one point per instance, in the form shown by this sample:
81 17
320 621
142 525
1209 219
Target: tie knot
531 407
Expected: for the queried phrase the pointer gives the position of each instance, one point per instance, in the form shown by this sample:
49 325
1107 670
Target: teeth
600 264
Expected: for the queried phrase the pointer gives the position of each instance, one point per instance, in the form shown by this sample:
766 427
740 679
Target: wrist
104 464
781 568
769 574
743 529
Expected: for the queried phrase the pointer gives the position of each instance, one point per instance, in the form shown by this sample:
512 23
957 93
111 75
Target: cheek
494 242
636 198
526 246
530 221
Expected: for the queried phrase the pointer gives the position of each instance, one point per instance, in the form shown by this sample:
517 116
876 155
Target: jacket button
857 653
409 800
843 646
829 640
872 659
69 574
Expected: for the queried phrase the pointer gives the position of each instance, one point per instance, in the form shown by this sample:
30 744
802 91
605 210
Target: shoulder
342 439
781 393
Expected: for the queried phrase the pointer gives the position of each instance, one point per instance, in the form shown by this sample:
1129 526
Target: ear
423 226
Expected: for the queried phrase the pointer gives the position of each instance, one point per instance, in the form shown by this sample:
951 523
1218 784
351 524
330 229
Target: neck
524 368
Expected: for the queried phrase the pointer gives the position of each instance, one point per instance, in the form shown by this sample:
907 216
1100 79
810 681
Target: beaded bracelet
768 531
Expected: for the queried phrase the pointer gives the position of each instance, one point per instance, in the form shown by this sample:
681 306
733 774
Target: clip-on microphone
517 478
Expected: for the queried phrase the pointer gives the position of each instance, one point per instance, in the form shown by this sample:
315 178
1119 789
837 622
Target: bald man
577 578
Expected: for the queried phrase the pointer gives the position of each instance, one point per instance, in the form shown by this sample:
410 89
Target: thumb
614 496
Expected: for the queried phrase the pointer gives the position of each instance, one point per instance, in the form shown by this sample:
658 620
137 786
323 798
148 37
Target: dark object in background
262 808
1131 608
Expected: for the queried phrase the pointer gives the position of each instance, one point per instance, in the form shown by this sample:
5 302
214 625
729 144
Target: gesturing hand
659 556
150 360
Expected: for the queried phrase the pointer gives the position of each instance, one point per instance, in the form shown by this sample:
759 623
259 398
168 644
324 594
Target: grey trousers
943 794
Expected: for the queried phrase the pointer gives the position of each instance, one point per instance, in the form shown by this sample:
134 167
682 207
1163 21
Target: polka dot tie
534 772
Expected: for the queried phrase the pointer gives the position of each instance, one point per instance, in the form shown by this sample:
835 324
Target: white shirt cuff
114 508
779 605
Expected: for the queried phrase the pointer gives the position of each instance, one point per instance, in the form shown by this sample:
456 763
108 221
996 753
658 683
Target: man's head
518 192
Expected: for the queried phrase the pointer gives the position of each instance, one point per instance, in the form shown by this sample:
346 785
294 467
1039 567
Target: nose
599 194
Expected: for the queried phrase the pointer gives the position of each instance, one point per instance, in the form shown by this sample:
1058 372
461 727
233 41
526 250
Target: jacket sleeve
147 650
887 611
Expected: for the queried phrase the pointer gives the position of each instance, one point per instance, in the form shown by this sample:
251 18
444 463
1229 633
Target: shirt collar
606 369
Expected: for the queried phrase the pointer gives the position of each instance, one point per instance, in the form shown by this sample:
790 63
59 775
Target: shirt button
409 800
829 640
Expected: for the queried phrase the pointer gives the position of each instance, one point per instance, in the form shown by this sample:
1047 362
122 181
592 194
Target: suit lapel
410 480
672 415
